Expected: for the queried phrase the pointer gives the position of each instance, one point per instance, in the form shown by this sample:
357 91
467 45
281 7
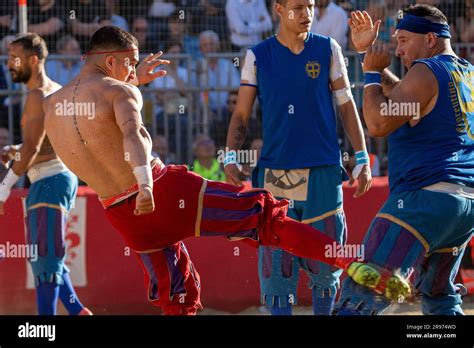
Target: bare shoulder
121 91
123 88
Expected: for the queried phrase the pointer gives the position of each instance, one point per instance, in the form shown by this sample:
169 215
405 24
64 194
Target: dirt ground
397 309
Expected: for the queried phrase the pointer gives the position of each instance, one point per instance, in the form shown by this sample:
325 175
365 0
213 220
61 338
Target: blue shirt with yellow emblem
440 148
299 123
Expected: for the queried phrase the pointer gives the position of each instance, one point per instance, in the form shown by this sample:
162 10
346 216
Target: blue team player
428 219
296 75
53 187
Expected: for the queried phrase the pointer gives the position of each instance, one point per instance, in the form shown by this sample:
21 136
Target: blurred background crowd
189 110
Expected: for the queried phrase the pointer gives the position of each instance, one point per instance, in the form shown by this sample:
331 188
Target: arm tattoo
130 120
240 136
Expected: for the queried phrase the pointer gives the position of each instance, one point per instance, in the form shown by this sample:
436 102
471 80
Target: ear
109 61
279 9
431 40
33 60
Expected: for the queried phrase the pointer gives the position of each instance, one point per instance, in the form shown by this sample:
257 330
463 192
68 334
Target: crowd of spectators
205 30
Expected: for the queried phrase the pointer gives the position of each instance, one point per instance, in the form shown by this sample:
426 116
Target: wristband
362 159
143 175
372 78
230 158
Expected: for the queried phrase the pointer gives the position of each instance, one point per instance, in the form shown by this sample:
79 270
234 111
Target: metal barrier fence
181 110
200 36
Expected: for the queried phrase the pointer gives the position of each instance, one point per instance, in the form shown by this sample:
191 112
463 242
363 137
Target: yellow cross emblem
313 69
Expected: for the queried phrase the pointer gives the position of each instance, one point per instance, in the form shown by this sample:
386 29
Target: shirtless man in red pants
110 149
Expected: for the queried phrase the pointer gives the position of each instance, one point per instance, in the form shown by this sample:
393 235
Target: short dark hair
111 38
32 44
429 12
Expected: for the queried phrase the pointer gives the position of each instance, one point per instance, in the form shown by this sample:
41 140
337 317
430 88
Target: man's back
81 125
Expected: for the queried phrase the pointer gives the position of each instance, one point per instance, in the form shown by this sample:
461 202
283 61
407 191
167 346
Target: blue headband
422 25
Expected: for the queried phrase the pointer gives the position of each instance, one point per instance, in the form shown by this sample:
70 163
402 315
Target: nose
398 51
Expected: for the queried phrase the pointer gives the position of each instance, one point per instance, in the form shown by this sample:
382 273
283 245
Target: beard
21 76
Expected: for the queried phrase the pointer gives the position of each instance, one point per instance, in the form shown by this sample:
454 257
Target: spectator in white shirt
215 72
247 20
330 20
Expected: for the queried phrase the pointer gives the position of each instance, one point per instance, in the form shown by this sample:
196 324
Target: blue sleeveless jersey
441 146
298 120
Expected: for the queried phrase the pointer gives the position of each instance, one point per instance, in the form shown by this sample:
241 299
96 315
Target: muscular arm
33 132
127 104
240 117
419 87
389 81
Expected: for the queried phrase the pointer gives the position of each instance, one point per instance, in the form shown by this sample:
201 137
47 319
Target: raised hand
145 69
363 31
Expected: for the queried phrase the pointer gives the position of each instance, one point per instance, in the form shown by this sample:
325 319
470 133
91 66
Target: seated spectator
215 72
115 19
140 31
247 20
330 20
47 19
210 15
177 32
160 149
176 78
206 163
466 29
219 126
63 70
85 17
7 17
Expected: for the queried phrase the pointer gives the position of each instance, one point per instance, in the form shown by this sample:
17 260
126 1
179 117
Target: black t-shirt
8 8
93 11
37 16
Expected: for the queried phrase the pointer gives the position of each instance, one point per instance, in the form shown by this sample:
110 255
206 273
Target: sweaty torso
46 152
89 143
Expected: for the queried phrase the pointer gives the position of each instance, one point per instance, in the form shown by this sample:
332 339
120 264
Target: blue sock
276 310
68 296
47 298
323 305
